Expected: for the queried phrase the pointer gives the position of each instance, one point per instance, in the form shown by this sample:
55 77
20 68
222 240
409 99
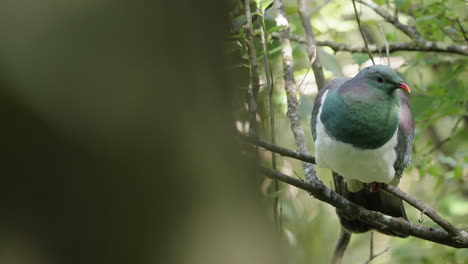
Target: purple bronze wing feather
405 136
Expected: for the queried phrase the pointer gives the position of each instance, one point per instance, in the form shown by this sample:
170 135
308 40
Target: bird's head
383 78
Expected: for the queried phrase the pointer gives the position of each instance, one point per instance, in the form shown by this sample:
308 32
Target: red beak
404 86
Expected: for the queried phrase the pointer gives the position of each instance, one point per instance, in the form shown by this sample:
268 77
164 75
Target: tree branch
375 219
314 59
277 149
291 89
428 46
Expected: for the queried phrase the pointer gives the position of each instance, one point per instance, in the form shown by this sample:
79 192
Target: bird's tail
379 201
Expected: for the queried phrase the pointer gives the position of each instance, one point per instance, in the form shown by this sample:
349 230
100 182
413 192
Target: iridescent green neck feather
361 114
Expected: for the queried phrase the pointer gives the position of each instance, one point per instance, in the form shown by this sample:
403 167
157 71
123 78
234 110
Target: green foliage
437 21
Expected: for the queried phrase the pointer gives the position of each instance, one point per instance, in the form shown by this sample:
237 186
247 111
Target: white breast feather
352 163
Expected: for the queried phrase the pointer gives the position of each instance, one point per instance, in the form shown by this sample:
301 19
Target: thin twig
303 79
378 220
386 44
439 144
314 59
434 135
291 89
376 255
255 80
372 256
341 245
421 218
362 33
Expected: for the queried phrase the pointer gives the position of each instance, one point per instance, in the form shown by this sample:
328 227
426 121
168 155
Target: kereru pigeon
363 131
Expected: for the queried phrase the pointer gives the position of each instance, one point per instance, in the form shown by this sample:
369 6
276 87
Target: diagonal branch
375 219
462 29
446 225
291 89
408 30
442 142
277 149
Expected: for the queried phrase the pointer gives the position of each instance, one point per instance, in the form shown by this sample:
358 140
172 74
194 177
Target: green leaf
402 4
360 58
275 29
274 50
263 4
329 62
450 14
276 193
237 23
255 13
391 37
241 65
270 52
458 172
435 170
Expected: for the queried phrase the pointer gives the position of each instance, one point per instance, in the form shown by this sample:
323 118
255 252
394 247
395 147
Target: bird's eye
380 79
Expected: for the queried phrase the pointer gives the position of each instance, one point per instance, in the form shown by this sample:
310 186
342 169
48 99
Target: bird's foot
375 186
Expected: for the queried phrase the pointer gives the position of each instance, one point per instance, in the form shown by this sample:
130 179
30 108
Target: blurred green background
439 103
